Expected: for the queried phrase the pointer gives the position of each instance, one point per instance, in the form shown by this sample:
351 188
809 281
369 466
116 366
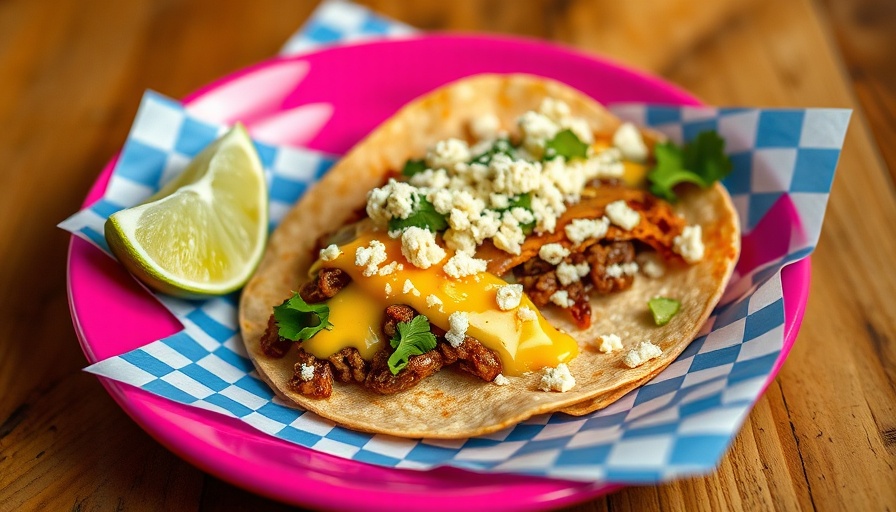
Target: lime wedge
204 232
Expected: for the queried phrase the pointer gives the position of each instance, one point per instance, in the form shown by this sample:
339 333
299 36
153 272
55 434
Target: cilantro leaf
499 147
701 162
298 321
412 167
411 339
565 144
663 309
521 201
424 216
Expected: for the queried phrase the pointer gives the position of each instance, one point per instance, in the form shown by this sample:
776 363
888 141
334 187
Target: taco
485 255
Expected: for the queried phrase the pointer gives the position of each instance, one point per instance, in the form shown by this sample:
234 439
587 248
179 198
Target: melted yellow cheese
522 345
356 317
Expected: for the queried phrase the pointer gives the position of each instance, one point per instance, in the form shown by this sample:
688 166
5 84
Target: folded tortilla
452 404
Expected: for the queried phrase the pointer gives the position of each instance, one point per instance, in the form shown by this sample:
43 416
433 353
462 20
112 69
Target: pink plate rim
239 454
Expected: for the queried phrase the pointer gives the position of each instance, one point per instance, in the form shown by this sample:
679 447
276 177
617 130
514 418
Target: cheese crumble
622 269
568 273
645 351
580 230
562 299
509 296
651 265
621 214
629 141
419 246
526 314
370 257
557 379
501 380
330 252
689 244
433 301
463 265
410 288
609 343
307 372
458 323
553 253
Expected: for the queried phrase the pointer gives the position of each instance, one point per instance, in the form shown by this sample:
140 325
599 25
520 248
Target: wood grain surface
72 74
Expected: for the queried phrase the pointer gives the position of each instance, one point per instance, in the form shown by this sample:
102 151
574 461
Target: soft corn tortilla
452 404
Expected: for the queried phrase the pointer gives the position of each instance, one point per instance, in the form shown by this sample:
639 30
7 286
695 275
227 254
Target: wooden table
71 76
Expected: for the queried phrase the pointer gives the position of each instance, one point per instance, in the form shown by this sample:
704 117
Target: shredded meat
348 365
600 256
381 380
320 385
395 314
326 285
658 228
272 344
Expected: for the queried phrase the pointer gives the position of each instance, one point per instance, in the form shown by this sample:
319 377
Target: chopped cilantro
298 321
424 216
411 339
521 201
499 147
663 309
701 161
565 144
412 167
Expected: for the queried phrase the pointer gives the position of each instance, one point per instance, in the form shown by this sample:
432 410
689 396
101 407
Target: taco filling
459 251
491 252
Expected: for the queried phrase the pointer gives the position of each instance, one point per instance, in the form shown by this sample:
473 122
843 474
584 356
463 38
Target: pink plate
338 95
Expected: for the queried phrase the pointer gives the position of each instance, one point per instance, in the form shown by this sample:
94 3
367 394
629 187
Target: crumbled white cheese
609 343
433 301
410 288
562 299
448 153
509 296
485 127
395 199
385 270
580 230
419 246
307 372
514 177
557 379
388 289
370 257
553 253
645 351
689 244
629 141
537 129
651 265
501 380
622 269
568 273
330 252
463 265
622 215
458 323
526 314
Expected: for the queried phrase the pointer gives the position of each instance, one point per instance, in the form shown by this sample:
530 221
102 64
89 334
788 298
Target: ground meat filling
381 380
348 365
272 344
320 383
600 256
326 285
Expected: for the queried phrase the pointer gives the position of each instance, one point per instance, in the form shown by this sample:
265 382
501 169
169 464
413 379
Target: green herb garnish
412 167
499 147
663 309
411 339
521 201
701 161
424 216
298 321
565 144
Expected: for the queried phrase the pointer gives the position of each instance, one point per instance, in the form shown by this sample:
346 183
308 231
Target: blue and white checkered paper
679 423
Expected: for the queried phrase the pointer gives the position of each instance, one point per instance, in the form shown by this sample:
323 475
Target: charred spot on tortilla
494 227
